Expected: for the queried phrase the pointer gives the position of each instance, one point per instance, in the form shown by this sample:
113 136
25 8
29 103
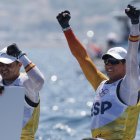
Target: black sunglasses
112 61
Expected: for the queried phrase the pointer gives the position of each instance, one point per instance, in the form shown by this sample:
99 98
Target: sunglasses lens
111 61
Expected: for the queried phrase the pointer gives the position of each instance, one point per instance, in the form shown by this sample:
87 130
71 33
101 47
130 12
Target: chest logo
103 92
100 108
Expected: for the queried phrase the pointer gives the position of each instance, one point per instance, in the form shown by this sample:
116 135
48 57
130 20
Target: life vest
113 120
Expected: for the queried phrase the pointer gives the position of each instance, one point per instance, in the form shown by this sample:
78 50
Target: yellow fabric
94 76
134 38
28 132
123 128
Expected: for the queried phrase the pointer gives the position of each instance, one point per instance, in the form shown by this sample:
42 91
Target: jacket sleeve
93 75
130 83
34 79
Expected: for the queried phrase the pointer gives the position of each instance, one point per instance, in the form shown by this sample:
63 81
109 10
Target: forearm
33 72
77 49
93 75
132 63
130 83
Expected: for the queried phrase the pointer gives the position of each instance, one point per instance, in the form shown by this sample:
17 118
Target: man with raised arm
115 107
11 60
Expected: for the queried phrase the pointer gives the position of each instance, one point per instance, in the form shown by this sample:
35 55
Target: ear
20 64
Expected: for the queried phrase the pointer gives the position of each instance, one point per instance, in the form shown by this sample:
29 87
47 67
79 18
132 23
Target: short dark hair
123 61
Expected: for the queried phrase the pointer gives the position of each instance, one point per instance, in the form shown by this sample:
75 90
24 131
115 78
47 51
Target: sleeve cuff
135 30
65 29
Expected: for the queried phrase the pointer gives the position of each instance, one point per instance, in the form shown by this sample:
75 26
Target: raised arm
34 74
93 75
130 84
34 80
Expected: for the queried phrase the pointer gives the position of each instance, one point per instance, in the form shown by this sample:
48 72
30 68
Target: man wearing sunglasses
115 107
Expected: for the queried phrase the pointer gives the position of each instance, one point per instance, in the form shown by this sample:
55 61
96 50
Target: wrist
135 21
134 30
65 29
25 60
65 25
21 54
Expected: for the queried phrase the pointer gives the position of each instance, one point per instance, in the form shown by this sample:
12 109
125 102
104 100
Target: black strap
118 92
138 96
31 103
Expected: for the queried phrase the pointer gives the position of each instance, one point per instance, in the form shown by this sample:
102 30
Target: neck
9 81
110 81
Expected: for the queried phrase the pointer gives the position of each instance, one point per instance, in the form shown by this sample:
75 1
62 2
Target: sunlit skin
10 72
115 72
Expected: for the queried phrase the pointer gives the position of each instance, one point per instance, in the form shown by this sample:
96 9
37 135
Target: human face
115 69
10 72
